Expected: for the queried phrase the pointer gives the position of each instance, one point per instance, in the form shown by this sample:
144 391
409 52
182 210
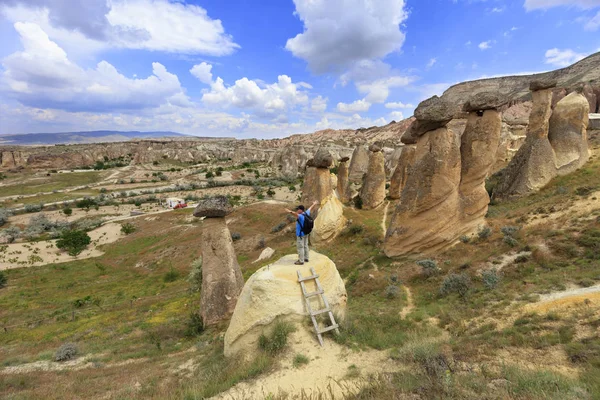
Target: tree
73 242
67 211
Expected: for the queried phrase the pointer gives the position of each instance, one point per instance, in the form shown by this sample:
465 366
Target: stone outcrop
544 156
330 220
443 196
222 279
343 185
317 184
323 159
372 191
272 294
401 173
359 163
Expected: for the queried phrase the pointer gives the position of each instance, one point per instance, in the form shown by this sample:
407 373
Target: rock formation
400 175
222 279
540 158
359 163
317 184
372 192
444 195
272 293
330 220
343 186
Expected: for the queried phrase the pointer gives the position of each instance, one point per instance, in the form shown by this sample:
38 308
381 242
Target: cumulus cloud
248 94
338 33
593 24
485 45
545 4
203 72
397 115
431 62
562 58
318 104
374 79
399 104
62 84
158 25
354 107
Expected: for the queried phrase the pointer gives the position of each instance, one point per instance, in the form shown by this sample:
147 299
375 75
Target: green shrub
456 283
195 276
73 241
128 228
358 203
292 188
299 360
209 175
277 340
67 351
392 292
490 278
270 192
67 211
32 208
86 203
171 276
194 325
235 236
261 243
4 214
511 241
356 229
464 238
428 266
484 232
509 230
279 227
3 279
11 233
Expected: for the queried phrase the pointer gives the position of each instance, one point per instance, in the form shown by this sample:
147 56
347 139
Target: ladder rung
329 328
323 311
308 278
314 293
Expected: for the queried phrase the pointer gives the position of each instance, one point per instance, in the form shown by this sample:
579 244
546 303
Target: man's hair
300 207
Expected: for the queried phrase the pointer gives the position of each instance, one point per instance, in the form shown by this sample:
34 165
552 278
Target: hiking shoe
299 262
306 260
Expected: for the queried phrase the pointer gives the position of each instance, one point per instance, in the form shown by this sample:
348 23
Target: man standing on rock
301 232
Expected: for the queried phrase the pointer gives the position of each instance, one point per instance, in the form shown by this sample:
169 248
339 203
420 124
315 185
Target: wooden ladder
319 292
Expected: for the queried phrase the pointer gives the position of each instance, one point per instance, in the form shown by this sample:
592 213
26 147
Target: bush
290 218
299 360
511 241
392 292
38 225
4 214
509 230
358 203
67 211
356 229
73 241
456 283
67 351
194 325
195 276
261 243
12 233
235 236
209 175
171 276
3 279
292 188
32 208
86 203
428 266
490 278
279 227
277 340
464 238
128 228
484 232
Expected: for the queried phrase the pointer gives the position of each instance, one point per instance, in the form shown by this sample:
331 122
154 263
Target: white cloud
398 105
248 94
485 45
203 72
354 107
562 58
593 24
318 104
431 62
62 84
397 116
545 4
498 9
157 25
338 33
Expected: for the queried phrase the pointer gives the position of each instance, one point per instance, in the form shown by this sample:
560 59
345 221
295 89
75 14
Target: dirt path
410 305
506 259
384 219
566 298
332 369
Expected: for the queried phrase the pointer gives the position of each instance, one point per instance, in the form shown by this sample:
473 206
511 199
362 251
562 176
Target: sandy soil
18 255
504 260
578 208
327 370
567 298
410 305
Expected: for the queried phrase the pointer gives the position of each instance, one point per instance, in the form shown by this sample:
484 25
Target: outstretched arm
313 205
289 211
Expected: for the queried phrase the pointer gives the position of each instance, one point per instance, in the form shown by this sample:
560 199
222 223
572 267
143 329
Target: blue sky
265 68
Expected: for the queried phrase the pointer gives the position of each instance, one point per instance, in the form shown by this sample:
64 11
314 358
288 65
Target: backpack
308 225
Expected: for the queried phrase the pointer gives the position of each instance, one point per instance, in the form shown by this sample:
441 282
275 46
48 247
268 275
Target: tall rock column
533 165
317 179
343 187
400 175
372 191
359 163
568 133
222 280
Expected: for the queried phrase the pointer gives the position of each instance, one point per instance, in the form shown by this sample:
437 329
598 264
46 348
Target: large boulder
273 293
323 158
359 163
568 133
372 192
213 207
222 279
330 220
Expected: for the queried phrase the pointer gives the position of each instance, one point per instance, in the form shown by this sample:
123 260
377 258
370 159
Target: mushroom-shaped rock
272 293
359 163
542 84
323 159
375 147
213 207
330 221
344 159
435 109
485 101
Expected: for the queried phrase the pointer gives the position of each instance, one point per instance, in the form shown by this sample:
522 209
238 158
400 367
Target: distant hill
27 139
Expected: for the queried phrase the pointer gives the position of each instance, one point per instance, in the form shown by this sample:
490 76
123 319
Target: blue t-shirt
300 223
